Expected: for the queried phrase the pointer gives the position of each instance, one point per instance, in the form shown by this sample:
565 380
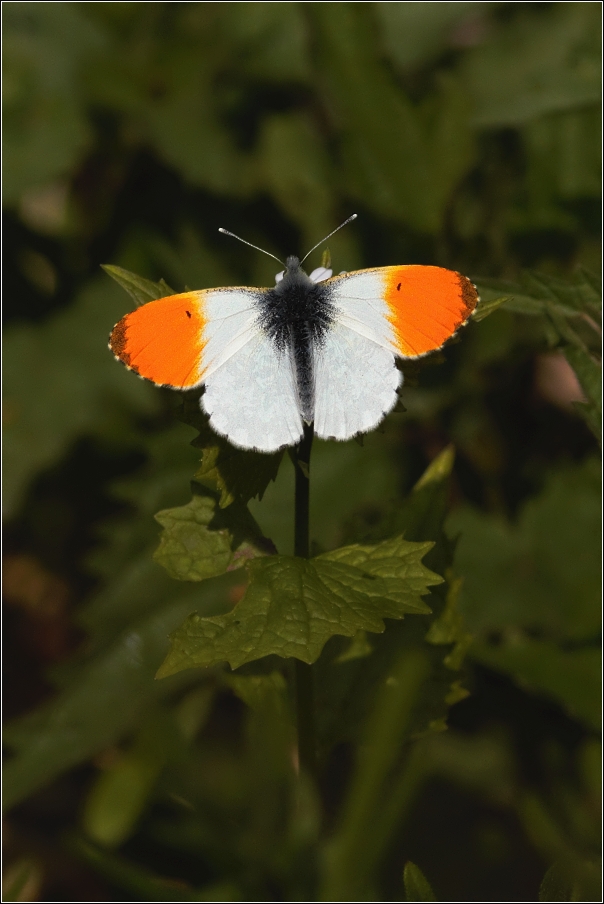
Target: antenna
345 223
232 234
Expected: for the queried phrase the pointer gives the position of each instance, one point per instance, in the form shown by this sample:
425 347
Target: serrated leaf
484 308
346 690
589 374
192 550
237 474
140 289
417 887
293 606
538 293
449 628
188 550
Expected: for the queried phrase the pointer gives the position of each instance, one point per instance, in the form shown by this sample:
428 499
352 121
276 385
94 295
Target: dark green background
464 135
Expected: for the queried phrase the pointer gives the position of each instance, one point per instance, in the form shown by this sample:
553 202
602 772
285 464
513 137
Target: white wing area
355 383
251 398
230 316
358 298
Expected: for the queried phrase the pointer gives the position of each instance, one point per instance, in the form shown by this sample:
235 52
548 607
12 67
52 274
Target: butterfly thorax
296 314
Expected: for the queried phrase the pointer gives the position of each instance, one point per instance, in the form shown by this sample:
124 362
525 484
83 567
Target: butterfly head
292 264
293 276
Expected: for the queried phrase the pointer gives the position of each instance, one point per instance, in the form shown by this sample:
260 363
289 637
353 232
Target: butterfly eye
279 277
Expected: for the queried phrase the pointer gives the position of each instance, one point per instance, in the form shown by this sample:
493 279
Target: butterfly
316 349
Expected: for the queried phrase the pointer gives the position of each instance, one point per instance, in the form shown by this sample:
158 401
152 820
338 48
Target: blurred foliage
465 135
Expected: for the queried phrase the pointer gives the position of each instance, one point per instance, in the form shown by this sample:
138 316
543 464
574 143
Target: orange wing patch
427 305
163 340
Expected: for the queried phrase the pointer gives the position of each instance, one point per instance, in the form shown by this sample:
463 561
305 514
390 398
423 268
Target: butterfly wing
411 310
178 341
380 314
355 383
213 337
252 398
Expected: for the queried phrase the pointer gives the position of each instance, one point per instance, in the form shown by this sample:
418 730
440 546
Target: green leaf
569 307
379 792
449 628
236 474
293 606
401 159
119 795
539 293
61 382
21 881
358 648
571 880
487 306
414 33
298 172
44 48
198 543
417 887
592 416
536 65
269 43
255 689
144 883
570 677
563 163
542 573
422 513
140 289
347 680
589 374
107 697
188 550
185 122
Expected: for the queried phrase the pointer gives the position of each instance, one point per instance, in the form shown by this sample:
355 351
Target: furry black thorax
296 315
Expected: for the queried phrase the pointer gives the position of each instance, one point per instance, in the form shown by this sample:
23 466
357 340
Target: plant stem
302 466
305 706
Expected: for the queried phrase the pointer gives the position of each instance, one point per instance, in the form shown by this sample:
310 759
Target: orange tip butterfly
317 349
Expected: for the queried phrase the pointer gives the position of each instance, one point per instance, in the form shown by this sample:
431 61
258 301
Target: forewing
410 310
178 341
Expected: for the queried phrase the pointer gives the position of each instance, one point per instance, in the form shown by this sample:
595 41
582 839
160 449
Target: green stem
305 705
301 459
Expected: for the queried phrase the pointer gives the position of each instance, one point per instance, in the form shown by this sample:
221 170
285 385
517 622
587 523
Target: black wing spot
188 313
398 288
